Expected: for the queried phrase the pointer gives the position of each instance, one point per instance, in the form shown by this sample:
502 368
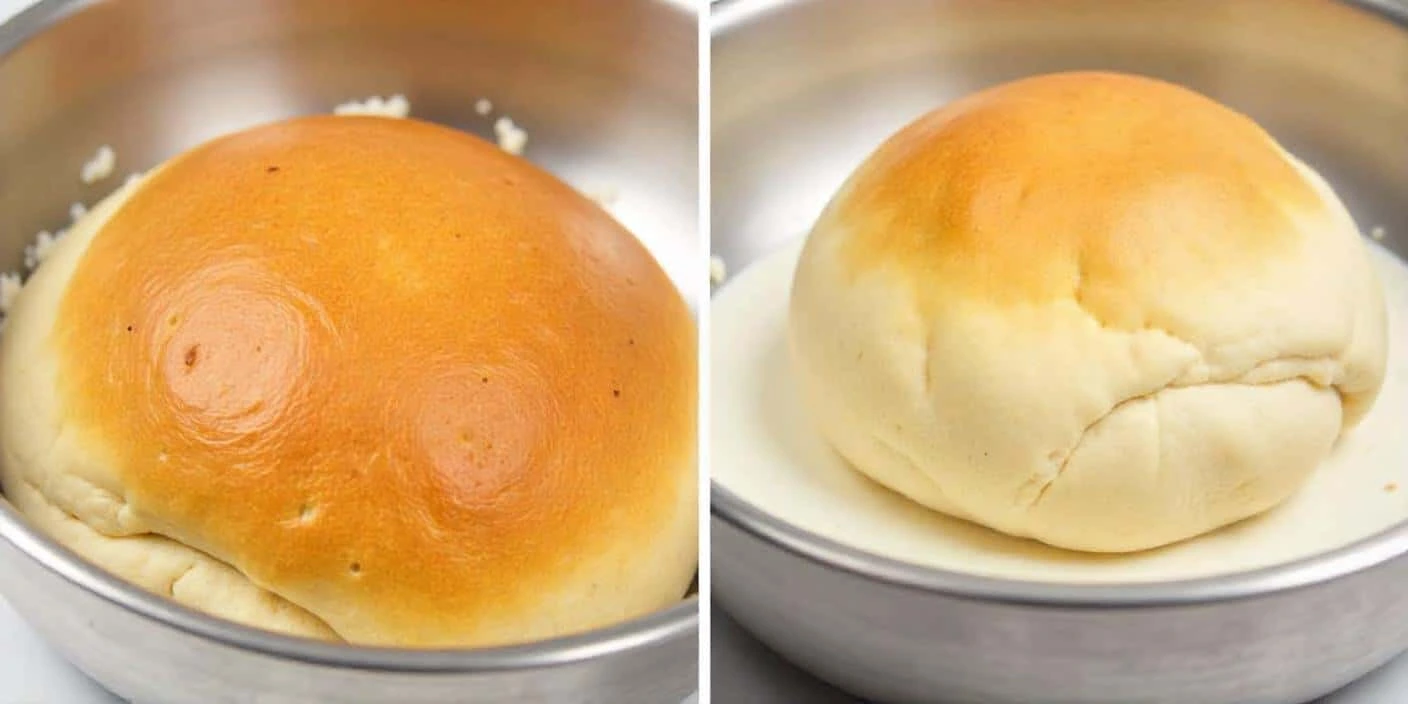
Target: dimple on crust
232 344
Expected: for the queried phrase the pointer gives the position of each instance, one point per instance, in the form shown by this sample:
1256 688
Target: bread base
766 449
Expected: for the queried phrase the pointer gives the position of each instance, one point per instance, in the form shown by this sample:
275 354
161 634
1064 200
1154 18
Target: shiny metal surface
608 93
802 91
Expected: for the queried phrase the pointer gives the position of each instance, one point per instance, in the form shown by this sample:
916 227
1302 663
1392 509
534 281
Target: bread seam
1065 461
169 590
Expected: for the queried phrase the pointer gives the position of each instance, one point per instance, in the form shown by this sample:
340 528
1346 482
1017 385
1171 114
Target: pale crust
378 371
1097 310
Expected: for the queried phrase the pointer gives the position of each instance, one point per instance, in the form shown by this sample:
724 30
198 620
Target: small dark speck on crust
271 169
192 355
129 328
616 393
484 380
355 568
631 342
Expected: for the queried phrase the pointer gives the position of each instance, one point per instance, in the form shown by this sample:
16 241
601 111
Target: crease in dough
163 566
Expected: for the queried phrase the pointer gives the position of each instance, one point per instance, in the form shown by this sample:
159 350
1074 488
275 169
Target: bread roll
1096 310
360 378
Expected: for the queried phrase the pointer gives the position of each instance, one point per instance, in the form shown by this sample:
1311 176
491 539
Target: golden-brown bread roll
360 378
1097 310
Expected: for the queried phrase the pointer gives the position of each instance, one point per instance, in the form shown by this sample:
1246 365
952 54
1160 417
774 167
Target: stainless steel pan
607 91
802 91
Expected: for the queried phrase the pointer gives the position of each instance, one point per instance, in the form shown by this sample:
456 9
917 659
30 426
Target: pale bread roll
365 379
1097 310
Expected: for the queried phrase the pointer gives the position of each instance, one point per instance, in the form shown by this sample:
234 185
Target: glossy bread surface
408 382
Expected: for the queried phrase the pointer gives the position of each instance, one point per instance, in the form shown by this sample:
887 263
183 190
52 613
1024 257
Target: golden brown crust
385 370
992 195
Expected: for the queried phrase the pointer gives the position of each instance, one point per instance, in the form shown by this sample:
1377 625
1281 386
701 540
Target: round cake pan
802 91
607 92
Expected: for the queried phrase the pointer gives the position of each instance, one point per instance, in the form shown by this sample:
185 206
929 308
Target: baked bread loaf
365 379
1097 310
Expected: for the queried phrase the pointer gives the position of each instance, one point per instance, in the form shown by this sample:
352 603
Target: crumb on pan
718 270
9 288
100 166
1377 233
1389 487
483 106
394 106
34 254
511 137
76 211
603 195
